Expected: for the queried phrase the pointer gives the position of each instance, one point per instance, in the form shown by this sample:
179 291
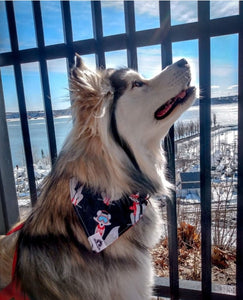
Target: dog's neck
108 167
151 160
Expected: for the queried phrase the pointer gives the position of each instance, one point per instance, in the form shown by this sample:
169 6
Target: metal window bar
205 146
8 199
45 80
202 30
130 30
98 33
166 52
68 34
21 99
239 257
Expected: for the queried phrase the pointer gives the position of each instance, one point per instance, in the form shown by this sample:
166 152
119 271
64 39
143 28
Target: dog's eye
137 83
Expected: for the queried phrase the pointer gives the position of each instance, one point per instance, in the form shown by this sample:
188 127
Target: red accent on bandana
13 291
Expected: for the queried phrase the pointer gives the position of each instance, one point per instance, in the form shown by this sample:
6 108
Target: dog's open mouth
164 110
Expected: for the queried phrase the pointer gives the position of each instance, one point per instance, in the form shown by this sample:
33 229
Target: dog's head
148 108
127 111
143 109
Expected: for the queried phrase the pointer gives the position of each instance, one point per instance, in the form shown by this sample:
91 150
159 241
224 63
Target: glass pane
57 70
89 61
52 22
219 9
16 140
58 83
187 150
4 33
183 12
189 51
12 115
81 20
224 159
116 59
113 17
224 66
187 154
149 60
36 115
25 24
146 14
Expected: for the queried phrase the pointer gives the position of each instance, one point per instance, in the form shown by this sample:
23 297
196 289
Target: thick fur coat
114 147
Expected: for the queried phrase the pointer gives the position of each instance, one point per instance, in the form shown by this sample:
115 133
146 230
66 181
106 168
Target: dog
88 237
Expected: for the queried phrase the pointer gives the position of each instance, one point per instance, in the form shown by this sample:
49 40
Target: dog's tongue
170 103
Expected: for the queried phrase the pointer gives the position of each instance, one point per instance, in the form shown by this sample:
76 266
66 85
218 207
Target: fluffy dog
76 244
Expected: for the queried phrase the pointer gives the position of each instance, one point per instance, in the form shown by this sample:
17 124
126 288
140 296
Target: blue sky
224 55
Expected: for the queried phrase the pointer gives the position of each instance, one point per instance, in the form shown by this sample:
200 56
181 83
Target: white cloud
224 8
233 87
222 71
89 61
114 4
57 65
30 67
149 60
183 11
232 90
224 90
51 6
116 59
150 8
53 65
147 7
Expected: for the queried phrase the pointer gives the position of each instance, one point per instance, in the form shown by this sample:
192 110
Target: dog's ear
89 91
83 81
86 83
78 61
78 67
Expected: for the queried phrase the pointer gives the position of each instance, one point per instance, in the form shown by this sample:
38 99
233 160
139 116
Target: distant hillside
221 100
67 112
39 114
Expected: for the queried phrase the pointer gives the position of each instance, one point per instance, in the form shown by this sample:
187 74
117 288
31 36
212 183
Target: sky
224 49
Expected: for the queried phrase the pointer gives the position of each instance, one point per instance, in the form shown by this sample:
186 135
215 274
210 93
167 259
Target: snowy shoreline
39 118
42 167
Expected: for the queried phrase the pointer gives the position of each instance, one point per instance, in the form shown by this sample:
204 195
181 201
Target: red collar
13 291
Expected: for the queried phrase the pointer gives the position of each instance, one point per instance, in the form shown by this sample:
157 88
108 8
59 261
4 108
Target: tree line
184 129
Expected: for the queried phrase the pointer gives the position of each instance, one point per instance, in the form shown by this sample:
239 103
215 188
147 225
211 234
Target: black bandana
102 219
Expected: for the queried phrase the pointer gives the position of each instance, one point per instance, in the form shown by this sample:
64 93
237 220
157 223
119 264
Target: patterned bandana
102 219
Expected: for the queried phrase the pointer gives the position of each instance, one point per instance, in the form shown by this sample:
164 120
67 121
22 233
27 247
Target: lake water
225 115
38 137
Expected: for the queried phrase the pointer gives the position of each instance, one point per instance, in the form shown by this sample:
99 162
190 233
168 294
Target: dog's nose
182 63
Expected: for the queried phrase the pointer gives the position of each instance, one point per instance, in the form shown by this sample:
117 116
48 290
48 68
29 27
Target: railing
165 35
